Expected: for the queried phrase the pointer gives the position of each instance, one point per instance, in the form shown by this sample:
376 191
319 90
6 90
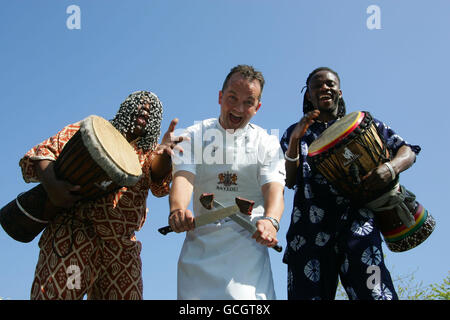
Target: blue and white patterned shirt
319 211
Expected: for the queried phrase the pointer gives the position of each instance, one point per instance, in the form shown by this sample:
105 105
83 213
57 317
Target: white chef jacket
221 260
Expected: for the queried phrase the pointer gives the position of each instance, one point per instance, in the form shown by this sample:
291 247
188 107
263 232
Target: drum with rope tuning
98 158
346 151
349 149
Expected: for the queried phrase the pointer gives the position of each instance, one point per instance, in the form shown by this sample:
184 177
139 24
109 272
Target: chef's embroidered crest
227 181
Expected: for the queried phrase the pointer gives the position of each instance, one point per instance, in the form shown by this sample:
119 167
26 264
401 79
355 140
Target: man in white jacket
233 158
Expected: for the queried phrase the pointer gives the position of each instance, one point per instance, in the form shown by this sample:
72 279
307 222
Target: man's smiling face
324 91
239 102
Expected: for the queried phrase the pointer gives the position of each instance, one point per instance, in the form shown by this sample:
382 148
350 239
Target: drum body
97 158
346 152
27 215
397 235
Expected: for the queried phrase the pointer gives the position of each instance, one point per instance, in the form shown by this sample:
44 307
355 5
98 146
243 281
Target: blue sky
182 50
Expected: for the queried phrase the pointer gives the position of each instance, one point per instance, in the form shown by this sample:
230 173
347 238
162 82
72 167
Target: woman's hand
61 193
162 164
169 141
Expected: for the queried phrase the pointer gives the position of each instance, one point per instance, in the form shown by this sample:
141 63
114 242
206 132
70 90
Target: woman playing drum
329 235
95 241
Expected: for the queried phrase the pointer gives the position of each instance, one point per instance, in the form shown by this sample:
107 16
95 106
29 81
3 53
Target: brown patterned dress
91 248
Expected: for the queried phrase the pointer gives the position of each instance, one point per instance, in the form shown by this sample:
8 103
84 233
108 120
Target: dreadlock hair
307 105
125 118
249 73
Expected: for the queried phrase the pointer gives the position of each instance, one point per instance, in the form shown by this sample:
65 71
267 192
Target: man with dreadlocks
324 240
96 240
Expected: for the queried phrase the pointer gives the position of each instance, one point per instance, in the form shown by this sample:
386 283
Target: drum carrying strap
396 199
26 213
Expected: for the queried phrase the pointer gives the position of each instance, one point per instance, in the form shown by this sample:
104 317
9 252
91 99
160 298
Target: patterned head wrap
128 112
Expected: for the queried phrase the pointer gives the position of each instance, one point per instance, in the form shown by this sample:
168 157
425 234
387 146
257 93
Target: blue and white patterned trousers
317 258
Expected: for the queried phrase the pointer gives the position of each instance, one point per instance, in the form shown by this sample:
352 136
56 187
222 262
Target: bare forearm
59 192
403 160
266 233
292 166
180 218
294 142
273 194
161 166
181 191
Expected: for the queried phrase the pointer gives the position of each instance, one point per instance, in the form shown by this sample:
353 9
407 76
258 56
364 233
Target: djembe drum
348 150
97 158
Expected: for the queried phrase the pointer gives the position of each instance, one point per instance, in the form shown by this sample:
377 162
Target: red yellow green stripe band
344 134
402 229
394 236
